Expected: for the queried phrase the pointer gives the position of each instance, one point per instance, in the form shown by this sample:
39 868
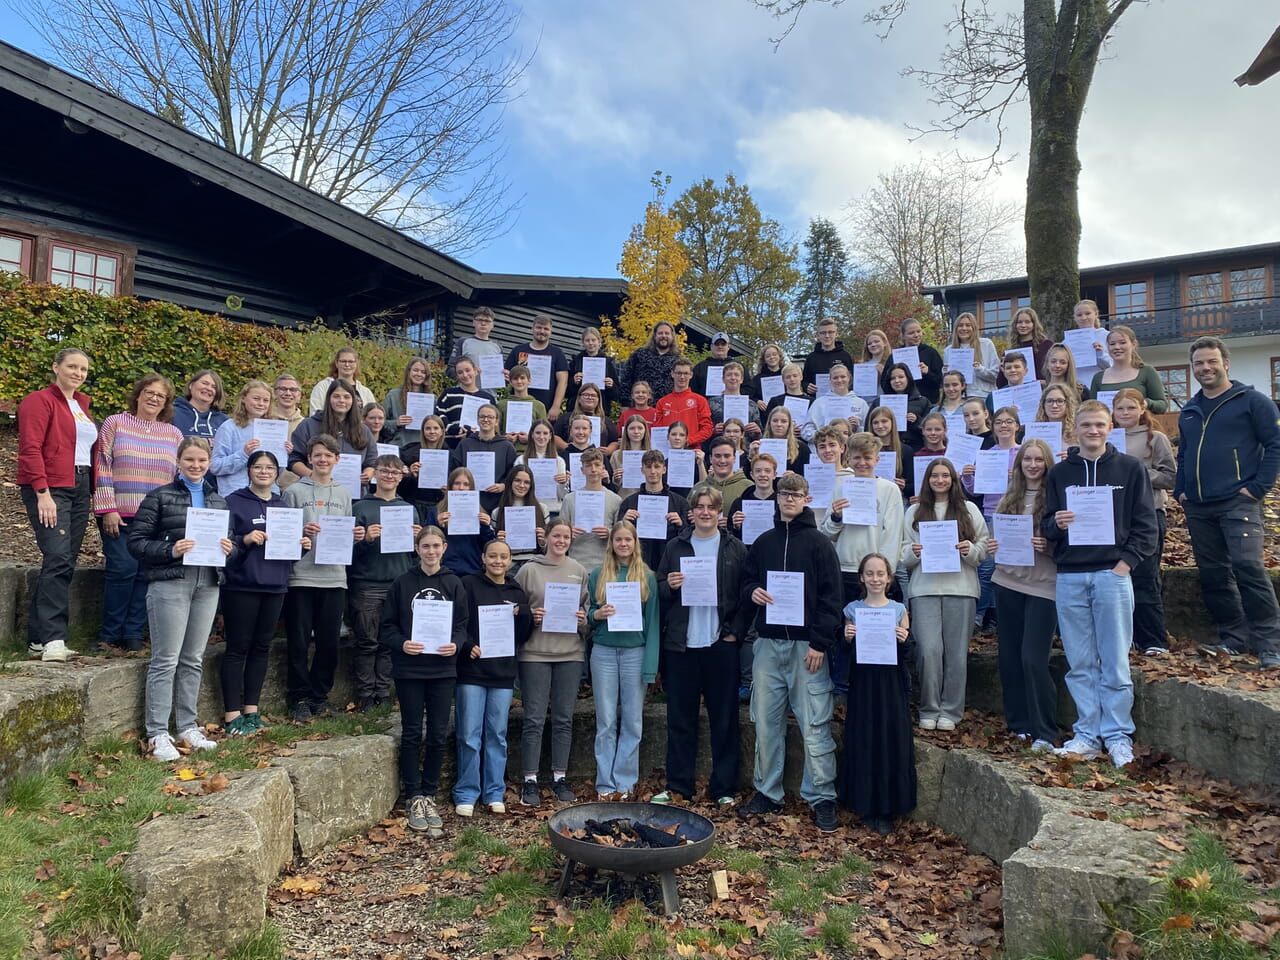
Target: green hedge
126 338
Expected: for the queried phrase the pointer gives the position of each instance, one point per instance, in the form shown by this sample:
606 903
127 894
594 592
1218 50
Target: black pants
1025 626
710 672
372 659
60 546
418 698
249 621
312 612
1148 598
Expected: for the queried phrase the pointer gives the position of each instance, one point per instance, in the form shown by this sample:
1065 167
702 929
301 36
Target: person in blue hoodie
198 412
252 597
1228 459
1093 587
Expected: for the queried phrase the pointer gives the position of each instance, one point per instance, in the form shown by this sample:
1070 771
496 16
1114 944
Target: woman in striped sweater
137 452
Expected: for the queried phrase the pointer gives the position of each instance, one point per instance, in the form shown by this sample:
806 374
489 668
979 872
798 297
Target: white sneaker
55 651
196 739
946 723
1081 749
465 809
163 749
928 723
1041 746
497 807
1121 752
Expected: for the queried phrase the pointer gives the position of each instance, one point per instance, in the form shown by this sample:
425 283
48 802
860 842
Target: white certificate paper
539 371
960 359
962 449
1013 533
521 525
770 387
897 402
397 529
787 590
822 483
658 439
387 450
1095 522
433 469
777 449
799 408
911 357
737 406
347 472
938 553
481 465
876 641
1048 431
921 467
576 478
471 404
757 517
628 615
822 384
284 534
680 468
863 508
208 528
652 522
991 471
491 377
633 468
560 601
1107 397
887 465
417 406
595 431
866 379
1080 343
519 416
1025 398
593 371
497 630
715 381
432 624
271 435
334 541
1029 355
588 509
1119 440
699 587
836 406
544 470
464 512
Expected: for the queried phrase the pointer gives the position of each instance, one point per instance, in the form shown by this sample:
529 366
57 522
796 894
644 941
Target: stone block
341 787
1076 881
988 804
931 760
265 796
40 724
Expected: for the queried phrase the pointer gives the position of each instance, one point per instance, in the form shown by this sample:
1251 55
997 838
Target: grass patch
509 928
515 885
474 838
537 857
451 909
743 861
836 929
784 941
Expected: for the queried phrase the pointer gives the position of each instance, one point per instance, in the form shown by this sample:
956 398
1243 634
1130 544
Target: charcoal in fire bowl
632 861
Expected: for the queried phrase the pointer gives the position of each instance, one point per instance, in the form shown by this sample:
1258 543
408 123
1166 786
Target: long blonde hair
1016 492
955 334
1068 415
1071 379
793 445
241 413
893 442
1037 329
1128 334
637 569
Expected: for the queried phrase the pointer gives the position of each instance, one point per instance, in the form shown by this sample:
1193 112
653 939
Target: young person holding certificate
1026 617
463 517
424 621
591 511
624 657
499 621
519 520
878 777
658 512
792 580
704 625
254 592
182 597
377 559
551 660
237 438
1100 519
946 541
486 449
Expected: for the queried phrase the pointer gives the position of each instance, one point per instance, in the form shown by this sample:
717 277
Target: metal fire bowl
636 860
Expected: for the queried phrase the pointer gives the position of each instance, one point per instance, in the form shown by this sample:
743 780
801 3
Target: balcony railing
1228 319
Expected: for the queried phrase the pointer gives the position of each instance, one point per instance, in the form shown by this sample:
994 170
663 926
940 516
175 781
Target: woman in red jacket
55 453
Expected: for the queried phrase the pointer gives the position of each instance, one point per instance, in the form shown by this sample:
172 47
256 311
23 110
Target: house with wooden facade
100 194
1168 302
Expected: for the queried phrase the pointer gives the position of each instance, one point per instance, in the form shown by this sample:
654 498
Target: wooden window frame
1015 306
43 238
1224 294
1111 298
26 244
1185 369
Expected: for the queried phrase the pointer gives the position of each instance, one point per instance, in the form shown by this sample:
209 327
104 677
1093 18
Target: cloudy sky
1175 155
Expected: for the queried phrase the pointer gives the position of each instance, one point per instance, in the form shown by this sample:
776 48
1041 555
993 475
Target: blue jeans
124 597
987 597
480 717
181 613
618 688
780 679
1095 621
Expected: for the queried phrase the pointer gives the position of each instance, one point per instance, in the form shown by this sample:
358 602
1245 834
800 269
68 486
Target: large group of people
785 536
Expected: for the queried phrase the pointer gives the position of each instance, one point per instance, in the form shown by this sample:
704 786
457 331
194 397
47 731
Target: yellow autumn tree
653 262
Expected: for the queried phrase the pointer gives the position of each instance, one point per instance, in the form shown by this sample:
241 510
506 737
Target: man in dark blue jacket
1228 458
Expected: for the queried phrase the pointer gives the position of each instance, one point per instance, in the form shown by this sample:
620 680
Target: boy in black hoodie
794 635
827 352
654 467
424 667
1094 592
370 577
